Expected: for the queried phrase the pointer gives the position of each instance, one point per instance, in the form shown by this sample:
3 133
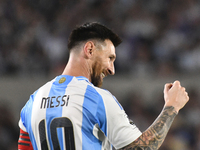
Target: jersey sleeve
21 122
25 113
119 130
24 142
21 125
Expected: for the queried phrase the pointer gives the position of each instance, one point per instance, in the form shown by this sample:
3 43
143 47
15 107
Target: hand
175 95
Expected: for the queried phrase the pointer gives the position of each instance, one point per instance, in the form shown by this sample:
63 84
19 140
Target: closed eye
112 58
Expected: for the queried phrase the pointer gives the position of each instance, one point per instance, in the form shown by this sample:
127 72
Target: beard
96 78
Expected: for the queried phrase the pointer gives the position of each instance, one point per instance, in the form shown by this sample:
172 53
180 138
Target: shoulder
108 97
100 91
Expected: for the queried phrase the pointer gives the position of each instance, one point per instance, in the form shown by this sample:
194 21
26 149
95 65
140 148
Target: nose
111 70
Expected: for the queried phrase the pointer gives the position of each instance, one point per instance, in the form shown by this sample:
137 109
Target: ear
89 48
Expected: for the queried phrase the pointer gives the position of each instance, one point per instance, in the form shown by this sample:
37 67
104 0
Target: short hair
92 30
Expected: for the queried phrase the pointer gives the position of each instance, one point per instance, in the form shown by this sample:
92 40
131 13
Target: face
103 63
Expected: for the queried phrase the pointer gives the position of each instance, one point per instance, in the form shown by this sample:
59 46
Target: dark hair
92 30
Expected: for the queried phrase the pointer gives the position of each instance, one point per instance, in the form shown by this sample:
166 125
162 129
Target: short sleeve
21 122
119 130
21 125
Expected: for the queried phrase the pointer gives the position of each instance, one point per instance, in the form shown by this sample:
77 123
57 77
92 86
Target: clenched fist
175 95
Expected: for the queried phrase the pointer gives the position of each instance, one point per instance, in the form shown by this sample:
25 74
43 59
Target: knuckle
183 88
177 82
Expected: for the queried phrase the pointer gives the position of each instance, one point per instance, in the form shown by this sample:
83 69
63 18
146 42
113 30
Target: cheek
109 64
106 62
103 62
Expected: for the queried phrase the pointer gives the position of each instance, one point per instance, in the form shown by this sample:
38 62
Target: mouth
102 75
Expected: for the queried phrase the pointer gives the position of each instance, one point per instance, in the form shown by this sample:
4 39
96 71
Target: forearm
154 136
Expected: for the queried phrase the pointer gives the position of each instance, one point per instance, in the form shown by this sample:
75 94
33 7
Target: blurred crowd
160 38
9 132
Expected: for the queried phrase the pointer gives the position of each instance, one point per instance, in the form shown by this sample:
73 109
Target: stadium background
161 43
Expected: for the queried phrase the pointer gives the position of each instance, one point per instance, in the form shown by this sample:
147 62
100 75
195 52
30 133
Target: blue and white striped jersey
70 113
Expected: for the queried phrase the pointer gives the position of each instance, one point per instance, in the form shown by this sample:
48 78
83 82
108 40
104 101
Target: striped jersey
70 113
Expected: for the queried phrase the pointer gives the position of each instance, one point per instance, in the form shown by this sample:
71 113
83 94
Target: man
72 112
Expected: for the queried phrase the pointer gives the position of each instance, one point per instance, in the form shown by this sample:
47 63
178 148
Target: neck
77 66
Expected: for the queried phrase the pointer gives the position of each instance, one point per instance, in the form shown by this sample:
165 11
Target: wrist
170 109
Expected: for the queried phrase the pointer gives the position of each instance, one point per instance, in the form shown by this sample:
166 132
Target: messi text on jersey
54 101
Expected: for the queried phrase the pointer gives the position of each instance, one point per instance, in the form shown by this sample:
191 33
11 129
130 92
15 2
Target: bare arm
153 137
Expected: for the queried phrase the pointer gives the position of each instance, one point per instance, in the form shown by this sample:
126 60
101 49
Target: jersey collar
83 78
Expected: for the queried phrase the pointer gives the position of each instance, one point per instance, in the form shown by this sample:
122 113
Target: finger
183 88
187 95
177 83
167 87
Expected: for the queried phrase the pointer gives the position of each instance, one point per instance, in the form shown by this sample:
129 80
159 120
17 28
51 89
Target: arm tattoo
154 136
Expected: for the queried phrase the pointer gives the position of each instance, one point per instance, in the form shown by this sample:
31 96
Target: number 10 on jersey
60 122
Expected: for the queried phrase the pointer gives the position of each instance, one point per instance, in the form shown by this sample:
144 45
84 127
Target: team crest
63 79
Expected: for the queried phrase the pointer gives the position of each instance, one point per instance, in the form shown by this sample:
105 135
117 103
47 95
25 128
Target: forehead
108 48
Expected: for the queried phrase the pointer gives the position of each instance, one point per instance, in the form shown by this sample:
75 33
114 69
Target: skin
154 136
175 98
95 60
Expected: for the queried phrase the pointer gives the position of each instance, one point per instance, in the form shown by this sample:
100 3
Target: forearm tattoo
154 136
